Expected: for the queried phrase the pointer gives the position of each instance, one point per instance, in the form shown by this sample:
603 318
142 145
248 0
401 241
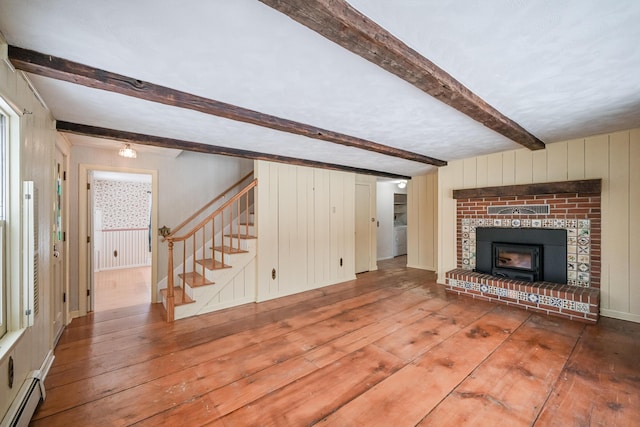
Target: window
3 192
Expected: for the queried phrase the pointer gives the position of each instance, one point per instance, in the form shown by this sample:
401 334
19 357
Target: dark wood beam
585 186
198 147
339 22
73 72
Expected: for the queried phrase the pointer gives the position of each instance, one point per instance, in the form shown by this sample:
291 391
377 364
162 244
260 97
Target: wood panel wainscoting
389 348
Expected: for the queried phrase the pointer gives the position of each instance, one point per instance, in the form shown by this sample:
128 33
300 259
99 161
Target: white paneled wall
122 249
422 230
306 228
613 157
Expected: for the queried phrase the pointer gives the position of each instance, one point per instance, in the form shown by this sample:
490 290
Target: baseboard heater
30 395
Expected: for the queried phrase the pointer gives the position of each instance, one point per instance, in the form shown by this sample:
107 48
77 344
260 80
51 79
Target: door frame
85 256
372 219
63 145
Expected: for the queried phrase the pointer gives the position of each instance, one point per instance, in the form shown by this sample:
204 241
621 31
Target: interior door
59 237
363 227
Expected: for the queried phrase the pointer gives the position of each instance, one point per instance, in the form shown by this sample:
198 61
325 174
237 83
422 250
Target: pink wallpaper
124 205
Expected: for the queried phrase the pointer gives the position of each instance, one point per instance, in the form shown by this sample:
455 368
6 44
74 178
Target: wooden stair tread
242 236
177 296
212 264
195 280
229 250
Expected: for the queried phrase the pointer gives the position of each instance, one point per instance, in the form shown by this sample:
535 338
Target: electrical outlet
10 372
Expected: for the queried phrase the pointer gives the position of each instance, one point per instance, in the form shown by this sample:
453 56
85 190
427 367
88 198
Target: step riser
243 229
233 242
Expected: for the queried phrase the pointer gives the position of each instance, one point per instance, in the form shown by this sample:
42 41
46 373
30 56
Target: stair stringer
233 286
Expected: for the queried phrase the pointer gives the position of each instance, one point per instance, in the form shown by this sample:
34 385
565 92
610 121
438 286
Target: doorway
119 215
59 261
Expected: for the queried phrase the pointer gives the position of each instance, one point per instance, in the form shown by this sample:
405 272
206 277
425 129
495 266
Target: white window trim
16 326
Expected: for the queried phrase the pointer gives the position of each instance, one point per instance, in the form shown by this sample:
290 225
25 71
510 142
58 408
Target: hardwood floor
122 287
390 348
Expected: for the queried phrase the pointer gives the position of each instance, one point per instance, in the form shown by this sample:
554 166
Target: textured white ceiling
560 69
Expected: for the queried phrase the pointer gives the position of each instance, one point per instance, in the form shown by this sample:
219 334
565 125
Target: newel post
170 302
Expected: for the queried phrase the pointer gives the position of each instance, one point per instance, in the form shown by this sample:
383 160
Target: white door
59 237
363 227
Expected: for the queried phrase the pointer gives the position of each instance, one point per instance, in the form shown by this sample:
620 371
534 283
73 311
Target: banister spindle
246 213
222 232
238 223
170 303
184 268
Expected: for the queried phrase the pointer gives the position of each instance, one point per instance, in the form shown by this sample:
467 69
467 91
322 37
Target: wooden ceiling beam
198 147
73 72
341 23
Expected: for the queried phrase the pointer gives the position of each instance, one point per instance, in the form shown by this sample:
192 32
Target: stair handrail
214 213
206 206
170 307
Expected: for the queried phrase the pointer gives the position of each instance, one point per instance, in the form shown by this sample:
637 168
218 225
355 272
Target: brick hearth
574 302
574 206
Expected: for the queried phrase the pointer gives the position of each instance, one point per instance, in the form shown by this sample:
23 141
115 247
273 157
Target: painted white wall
612 157
306 224
31 348
185 183
422 229
384 208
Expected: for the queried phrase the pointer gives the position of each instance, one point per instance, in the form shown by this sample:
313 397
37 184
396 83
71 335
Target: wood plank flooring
122 287
390 348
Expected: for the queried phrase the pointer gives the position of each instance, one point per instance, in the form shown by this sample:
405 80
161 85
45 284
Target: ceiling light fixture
127 152
402 184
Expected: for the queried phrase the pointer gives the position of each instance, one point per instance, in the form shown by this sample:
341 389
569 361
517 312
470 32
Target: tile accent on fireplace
577 245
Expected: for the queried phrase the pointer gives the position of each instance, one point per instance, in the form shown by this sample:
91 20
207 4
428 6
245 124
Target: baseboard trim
422 267
621 315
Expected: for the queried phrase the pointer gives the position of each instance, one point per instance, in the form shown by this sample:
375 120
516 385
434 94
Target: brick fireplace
571 206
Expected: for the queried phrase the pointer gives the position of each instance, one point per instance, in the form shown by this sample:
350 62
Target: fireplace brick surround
571 205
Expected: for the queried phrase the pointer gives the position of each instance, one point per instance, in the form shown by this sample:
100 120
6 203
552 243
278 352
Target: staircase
214 261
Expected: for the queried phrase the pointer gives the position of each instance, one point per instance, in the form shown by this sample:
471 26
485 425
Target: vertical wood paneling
422 241
596 165
539 162
270 229
227 292
302 222
634 222
423 233
299 234
494 172
274 283
575 154
617 233
482 171
449 178
414 222
348 219
508 168
311 229
132 247
524 166
469 173
287 226
323 226
250 278
431 222
557 161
